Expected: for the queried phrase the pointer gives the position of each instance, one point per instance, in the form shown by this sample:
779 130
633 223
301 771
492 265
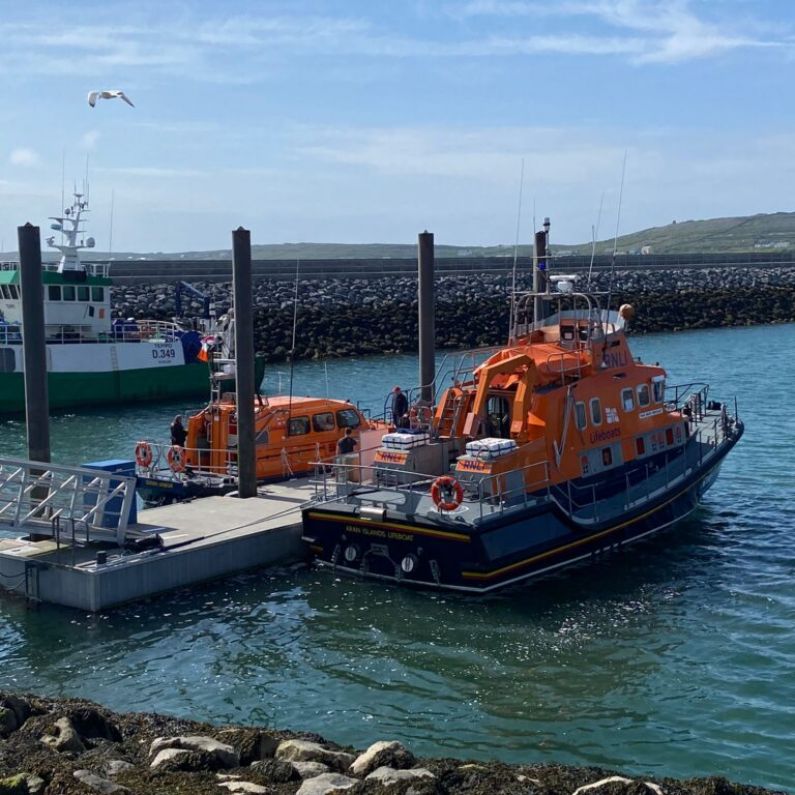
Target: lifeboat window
567 333
643 395
669 436
323 422
12 288
68 292
498 417
627 399
98 294
261 437
607 457
659 389
82 293
299 426
54 292
579 413
348 418
6 292
640 446
596 411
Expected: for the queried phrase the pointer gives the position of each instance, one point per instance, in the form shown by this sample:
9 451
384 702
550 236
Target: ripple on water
672 658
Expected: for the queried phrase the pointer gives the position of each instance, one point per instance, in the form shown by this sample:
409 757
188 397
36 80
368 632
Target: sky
359 121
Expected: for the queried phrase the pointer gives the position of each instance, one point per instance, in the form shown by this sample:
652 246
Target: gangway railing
68 502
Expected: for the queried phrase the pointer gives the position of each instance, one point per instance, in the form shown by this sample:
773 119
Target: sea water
676 657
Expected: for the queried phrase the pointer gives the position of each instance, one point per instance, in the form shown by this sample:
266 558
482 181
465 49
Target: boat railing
562 370
172 462
138 331
101 269
516 488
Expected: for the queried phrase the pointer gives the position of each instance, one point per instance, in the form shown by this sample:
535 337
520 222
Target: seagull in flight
114 93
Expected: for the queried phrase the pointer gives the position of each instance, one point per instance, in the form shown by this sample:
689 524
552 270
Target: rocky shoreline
67 746
343 317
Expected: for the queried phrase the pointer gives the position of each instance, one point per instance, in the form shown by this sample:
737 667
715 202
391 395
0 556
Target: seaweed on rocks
117 751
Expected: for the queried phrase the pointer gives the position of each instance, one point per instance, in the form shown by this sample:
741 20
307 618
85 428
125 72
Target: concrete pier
203 540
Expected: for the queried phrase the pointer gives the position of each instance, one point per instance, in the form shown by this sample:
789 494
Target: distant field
771 233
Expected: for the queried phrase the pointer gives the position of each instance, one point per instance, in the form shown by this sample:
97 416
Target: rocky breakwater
342 317
68 746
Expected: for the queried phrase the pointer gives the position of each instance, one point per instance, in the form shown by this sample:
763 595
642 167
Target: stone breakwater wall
63 746
342 317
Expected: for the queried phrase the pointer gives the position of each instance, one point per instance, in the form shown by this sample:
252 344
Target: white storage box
489 449
403 441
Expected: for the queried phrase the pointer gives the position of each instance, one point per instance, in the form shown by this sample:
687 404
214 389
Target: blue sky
354 121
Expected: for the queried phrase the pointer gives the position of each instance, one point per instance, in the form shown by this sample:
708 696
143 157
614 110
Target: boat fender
176 458
447 493
143 454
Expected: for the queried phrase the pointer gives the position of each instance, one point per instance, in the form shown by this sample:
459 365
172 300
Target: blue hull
505 549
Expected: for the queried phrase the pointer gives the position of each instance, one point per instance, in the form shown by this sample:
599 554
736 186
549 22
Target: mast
69 225
540 271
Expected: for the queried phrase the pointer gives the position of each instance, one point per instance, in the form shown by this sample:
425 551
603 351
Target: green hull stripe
74 390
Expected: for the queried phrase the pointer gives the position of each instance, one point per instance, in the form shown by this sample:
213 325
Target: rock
613 785
225 755
306 751
90 723
14 711
67 741
309 769
8 721
385 753
326 784
36 784
116 766
251 744
275 771
14 785
169 755
244 786
386 776
97 783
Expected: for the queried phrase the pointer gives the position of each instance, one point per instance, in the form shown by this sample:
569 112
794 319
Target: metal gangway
69 504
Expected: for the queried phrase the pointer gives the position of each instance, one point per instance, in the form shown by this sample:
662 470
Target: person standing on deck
400 405
178 432
347 444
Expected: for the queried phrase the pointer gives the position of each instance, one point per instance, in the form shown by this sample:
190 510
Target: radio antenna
594 236
292 352
615 239
511 318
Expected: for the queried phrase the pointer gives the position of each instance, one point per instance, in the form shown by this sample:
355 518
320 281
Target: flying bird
93 96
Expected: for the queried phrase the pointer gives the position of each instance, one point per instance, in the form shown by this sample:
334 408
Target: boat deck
203 540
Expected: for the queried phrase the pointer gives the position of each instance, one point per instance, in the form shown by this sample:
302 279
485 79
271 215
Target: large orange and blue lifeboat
556 447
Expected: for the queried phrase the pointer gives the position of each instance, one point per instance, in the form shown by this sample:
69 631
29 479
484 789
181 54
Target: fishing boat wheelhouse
556 447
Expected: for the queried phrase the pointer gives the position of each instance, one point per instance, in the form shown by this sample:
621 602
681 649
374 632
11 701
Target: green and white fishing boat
92 358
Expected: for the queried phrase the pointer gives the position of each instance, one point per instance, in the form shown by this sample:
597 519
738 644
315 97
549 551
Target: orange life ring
143 454
176 458
447 493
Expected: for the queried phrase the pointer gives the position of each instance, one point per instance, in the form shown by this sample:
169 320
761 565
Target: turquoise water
675 658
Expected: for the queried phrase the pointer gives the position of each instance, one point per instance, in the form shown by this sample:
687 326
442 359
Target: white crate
403 441
490 448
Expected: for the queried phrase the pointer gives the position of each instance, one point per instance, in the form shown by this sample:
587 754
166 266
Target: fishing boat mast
69 225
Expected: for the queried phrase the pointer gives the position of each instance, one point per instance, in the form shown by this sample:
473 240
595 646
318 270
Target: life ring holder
144 455
454 493
176 458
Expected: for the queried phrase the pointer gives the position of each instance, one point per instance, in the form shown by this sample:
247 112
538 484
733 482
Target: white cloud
88 140
24 157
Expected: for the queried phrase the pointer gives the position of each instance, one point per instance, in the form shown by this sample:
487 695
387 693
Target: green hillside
773 232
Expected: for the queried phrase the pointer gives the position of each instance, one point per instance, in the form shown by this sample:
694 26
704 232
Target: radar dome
626 311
